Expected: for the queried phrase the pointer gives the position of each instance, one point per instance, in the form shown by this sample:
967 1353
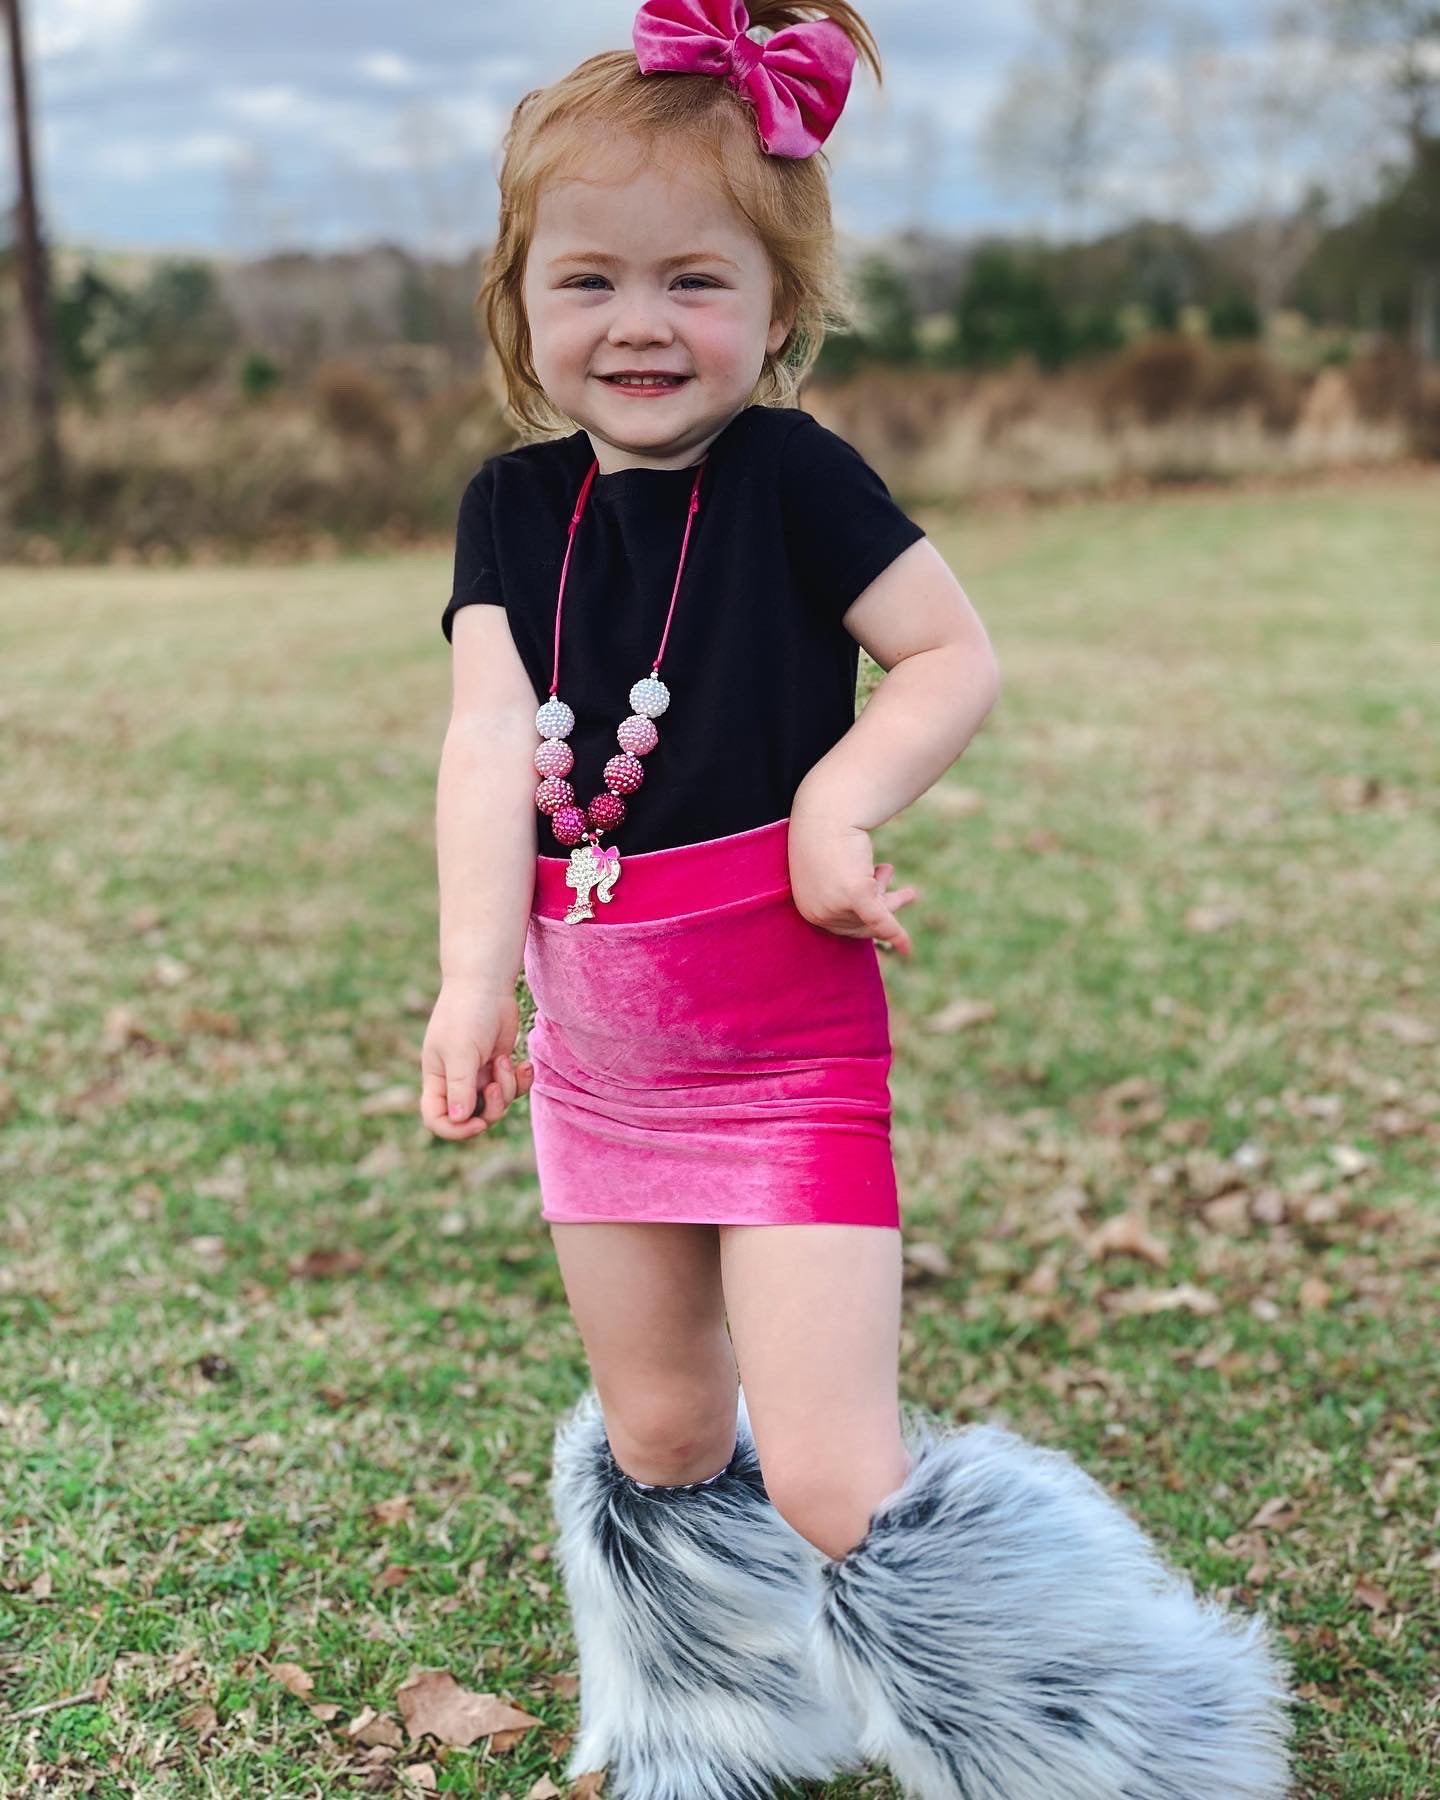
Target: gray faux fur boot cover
691 1611
1007 1632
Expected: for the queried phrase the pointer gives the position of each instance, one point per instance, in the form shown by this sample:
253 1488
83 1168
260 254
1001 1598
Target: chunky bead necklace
591 868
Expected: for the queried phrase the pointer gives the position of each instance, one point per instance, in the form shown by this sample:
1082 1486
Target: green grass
1195 851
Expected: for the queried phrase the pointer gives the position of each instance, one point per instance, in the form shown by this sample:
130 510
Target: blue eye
702 279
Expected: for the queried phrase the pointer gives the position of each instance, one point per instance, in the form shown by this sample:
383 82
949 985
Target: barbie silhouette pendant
591 870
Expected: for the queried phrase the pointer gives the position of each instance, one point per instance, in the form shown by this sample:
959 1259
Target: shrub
1155 379
1242 375
355 406
1235 317
1006 310
259 376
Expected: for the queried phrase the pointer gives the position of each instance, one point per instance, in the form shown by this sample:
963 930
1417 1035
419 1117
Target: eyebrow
667 262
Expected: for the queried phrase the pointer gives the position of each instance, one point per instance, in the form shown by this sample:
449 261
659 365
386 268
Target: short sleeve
842 527
477 579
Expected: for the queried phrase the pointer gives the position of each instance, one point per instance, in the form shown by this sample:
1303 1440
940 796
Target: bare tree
34 279
1054 127
1394 47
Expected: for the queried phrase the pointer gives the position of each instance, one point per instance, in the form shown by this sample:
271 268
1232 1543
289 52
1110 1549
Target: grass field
279 1371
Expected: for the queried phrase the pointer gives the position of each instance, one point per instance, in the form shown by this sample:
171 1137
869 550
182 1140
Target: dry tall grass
356 460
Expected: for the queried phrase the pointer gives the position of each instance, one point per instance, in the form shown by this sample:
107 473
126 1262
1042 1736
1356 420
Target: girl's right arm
485 843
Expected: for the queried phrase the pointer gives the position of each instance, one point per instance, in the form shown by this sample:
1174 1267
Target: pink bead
553 793
623 774
605 812
569 825
637 734
554 757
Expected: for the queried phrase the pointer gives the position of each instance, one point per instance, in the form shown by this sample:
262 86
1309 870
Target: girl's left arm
942 679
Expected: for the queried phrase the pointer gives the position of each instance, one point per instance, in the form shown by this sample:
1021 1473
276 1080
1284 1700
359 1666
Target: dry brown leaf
433 1703
1205 920
954 802
1350 1161
422 1777
1372 1595
960 1015
375 1730
390 1102
544 1789
120 1029
1230 1214
1129 1105
1407 1027
201 1719
1126 1234
926 1258
1315 1295
300 1682
393 1575
1277 1514
324 1264
325 1711
1152 1300
397 1511
588 1786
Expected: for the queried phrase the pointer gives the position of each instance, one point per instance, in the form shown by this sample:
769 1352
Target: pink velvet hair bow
797 80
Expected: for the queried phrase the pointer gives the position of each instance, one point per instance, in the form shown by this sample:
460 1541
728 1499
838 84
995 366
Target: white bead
649 697
554 719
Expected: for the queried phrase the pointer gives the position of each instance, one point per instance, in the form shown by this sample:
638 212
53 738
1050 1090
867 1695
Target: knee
831 1505
670 1436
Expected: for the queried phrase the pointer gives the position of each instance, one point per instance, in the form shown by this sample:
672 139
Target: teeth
645 380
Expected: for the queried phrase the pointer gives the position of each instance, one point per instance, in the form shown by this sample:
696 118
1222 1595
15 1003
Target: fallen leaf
1407 1027
432 1703
399 1511
1277 1514
1370 1594
293 1678
1315 1295
375 1730
1151 1300
390 1101
201 1719
1127 1234
960 1015
321 1265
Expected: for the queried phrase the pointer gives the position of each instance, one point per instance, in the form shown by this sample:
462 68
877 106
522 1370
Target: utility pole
34 281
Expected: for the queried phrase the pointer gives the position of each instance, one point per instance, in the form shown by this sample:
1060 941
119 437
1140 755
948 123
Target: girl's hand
467 1057
836 883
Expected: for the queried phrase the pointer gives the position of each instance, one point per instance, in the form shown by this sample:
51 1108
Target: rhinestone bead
554 719
554 757
568 825
623 774
637 734
553 793
605 812
650 696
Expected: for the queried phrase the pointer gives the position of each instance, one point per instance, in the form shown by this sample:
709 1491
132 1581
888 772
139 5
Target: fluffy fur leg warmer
692 1610
1005 1631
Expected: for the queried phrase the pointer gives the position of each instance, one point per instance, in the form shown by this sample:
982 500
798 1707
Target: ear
779 331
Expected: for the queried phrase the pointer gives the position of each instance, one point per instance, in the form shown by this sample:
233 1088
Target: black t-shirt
793 526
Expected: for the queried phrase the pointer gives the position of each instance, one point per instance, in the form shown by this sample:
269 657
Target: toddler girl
679 565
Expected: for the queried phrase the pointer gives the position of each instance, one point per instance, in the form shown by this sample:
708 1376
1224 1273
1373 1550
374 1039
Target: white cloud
145 160
385 67
62 27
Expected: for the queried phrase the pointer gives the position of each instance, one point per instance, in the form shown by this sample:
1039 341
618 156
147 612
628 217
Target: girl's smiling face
653 272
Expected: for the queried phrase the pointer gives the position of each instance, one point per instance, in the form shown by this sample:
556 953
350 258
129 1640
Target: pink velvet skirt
703 1054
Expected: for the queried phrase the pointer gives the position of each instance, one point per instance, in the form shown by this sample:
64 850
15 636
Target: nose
639 319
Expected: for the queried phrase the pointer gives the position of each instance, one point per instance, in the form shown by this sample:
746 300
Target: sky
248 126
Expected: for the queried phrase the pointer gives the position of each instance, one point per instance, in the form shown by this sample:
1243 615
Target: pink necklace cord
575 518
